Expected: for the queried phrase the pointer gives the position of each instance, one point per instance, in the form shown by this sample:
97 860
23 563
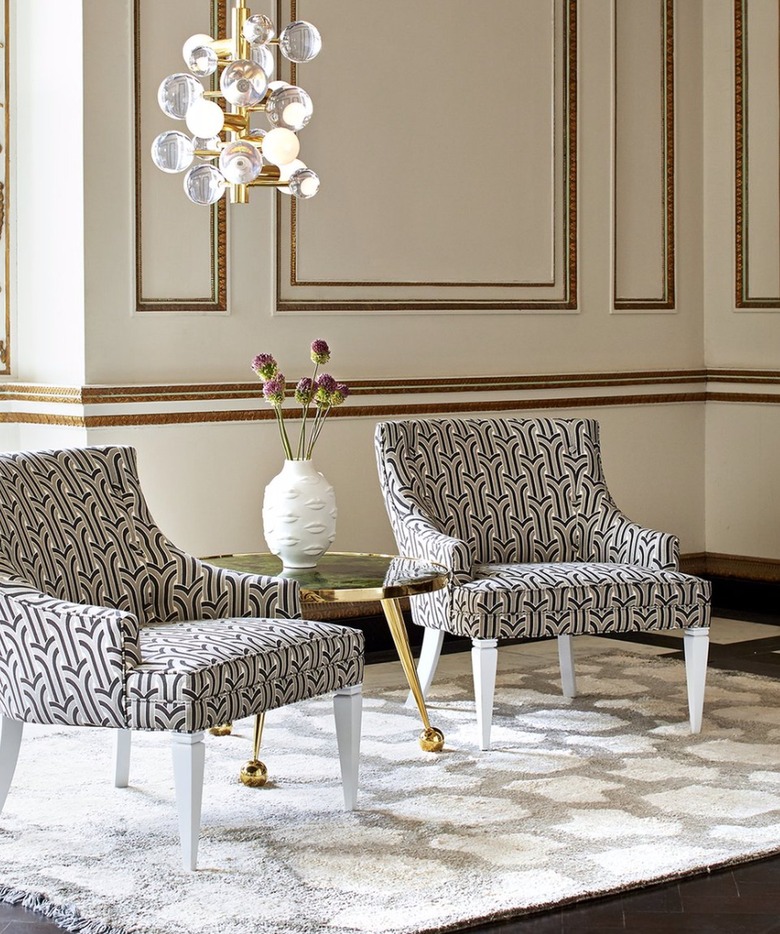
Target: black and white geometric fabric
103 622
519 511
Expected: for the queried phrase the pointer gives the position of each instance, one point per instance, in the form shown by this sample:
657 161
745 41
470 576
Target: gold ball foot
254 774
222 729
431 740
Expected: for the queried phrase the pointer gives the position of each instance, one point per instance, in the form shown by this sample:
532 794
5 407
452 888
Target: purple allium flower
304 391
340 393
273 389
265 366
326 386
320 352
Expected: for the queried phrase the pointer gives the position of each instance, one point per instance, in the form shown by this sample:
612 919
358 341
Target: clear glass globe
177 93
205 118
172 151
202 144
243 83
304 183
202 61
289 107
259 28
285 171
262 56
203 184
193 42
280 146
300 42
240 162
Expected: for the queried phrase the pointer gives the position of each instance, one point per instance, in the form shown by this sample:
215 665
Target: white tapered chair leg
189 756
10 741
348 711
429 659
484 661
566 661
122 758
696 642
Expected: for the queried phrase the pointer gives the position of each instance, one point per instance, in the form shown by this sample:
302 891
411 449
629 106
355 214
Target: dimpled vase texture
299 514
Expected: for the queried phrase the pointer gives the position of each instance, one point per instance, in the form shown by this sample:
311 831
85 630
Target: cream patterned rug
577 798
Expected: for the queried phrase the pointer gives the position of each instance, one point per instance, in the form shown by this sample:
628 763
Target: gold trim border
668 301
741 246
569 300
217 300
466 387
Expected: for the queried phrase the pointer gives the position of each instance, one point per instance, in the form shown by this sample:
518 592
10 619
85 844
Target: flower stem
283 433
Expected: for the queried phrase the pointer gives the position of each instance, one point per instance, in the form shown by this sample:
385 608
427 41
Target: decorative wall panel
644 236
448 165
180 247
757 153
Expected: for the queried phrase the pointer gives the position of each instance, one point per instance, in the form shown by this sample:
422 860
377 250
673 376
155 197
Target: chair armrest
424 540
618 540
188 588
65 662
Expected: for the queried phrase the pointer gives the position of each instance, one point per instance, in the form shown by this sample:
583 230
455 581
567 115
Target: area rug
577 799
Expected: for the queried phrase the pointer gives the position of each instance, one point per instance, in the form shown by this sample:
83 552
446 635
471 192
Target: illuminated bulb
202 61
290 107
193 42
304 183
205 119
280 146
285 171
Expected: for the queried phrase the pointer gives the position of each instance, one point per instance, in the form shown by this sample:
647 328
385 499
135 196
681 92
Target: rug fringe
64 916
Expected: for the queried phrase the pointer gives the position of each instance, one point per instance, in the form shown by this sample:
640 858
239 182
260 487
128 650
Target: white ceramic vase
299 514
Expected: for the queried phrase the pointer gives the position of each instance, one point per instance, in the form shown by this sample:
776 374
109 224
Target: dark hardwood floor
743 899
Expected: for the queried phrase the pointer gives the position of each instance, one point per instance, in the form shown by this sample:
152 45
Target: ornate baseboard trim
742 567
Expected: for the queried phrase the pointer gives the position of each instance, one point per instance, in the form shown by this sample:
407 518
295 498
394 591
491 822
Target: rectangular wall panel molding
757 153
180 247
440 191
644 161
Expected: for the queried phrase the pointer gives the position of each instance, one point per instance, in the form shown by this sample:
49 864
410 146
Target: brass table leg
254 773
431 739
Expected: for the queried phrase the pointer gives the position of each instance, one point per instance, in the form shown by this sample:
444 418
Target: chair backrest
514 489
67 526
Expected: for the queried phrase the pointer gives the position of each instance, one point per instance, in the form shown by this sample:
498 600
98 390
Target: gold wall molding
743 299
667 194
31 403
215 217
288 239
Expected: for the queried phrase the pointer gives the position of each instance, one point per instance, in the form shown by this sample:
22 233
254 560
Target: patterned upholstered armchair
519 512
103 622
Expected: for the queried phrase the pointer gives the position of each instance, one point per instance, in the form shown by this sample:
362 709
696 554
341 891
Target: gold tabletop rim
361 594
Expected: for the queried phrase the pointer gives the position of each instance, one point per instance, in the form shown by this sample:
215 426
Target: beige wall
407 198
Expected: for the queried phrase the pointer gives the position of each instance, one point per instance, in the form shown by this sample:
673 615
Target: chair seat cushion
198 673
537 600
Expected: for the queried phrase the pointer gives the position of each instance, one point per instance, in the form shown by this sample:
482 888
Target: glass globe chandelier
223 152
